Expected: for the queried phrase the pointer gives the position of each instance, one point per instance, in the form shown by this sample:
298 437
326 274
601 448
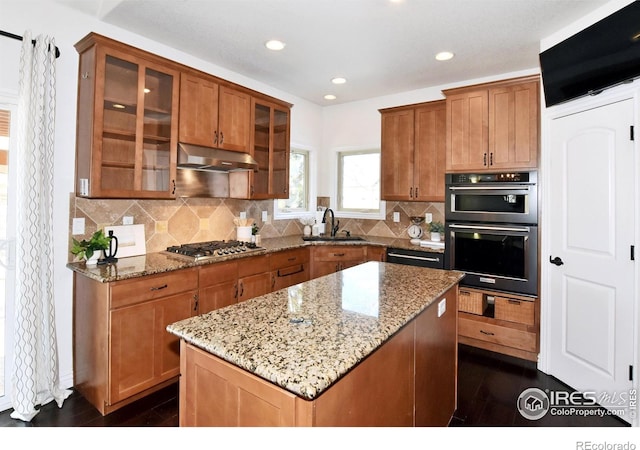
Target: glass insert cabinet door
270 148
139 129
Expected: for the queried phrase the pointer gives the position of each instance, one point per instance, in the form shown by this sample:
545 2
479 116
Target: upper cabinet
134 107
127 122
213 114
270 140
413 152
493 126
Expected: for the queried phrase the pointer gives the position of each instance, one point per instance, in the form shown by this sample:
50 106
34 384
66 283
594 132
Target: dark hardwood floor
488 387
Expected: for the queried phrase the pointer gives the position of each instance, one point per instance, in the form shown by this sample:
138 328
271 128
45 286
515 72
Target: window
359 183
298 204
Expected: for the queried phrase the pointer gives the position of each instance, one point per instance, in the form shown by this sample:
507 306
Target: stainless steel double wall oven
491 230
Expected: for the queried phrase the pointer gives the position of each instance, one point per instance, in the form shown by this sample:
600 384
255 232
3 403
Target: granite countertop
155 263
305 337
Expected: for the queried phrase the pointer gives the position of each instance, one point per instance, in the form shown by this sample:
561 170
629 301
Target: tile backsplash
186 220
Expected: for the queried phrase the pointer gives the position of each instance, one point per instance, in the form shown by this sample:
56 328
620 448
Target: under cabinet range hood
210 159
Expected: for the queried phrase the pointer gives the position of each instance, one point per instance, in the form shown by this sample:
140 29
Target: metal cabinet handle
221 137
159 288
491 159
215 137
410 192
338 254
195 302
484 159
488 333
416 193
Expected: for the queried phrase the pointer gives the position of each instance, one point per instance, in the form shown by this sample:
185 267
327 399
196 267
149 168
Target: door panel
592 227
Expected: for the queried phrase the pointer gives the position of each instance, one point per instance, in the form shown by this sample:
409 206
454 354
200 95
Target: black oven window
498 203
491 254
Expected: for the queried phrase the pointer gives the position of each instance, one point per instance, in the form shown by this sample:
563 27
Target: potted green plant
436 228
90 249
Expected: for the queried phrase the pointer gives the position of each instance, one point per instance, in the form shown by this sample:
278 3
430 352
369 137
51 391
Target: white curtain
35 379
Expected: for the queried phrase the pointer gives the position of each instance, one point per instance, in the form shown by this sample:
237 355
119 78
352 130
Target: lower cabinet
121 348
218 286
254 277
500 322
410 380
333 258
289 267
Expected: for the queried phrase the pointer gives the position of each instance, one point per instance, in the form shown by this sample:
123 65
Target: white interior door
592 230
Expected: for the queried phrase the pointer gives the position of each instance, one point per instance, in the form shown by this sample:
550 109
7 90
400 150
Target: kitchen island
372 345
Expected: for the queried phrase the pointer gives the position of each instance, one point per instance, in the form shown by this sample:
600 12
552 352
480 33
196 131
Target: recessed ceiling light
339 80
330 97
274 44
444 56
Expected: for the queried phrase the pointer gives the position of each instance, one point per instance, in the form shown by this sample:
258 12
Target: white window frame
312 183
380 214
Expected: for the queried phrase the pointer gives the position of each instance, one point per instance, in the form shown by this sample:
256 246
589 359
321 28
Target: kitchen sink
333 238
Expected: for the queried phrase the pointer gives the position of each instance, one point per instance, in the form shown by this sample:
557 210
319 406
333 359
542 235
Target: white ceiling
379 46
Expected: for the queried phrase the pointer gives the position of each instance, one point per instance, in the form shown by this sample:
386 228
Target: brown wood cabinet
413 152
411 380
333 258
270 147
494 126
127 126
376 253
122 350
218 286
254 277
213 114
289 267
500 322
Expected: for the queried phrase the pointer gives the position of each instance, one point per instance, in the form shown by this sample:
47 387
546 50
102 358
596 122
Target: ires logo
534 403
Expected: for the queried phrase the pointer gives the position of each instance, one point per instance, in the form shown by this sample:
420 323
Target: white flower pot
93 261
435 236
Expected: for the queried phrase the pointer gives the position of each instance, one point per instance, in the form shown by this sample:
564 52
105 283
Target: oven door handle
489 188
489 228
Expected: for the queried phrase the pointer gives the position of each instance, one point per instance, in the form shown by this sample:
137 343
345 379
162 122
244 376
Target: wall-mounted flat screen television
601 56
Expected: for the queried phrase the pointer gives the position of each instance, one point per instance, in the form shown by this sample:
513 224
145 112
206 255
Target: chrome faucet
334 226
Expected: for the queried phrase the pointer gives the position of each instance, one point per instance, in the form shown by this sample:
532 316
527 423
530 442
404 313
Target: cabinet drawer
470 301
218 273
496 334
253 265
289 258
288 276
339 253
129 292
513 310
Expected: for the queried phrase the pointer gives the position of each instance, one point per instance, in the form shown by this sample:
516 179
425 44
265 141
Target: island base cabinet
411 380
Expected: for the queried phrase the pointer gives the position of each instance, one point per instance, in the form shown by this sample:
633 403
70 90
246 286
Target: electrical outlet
127 220
265 216
442 307
428 217
396 217
78 225
243 214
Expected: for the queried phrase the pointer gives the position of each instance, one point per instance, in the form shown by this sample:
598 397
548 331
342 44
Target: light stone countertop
305 337
155 263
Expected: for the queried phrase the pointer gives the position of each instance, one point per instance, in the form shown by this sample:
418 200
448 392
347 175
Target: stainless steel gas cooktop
210 250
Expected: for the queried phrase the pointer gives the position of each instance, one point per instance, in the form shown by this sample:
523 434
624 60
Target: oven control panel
503 177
